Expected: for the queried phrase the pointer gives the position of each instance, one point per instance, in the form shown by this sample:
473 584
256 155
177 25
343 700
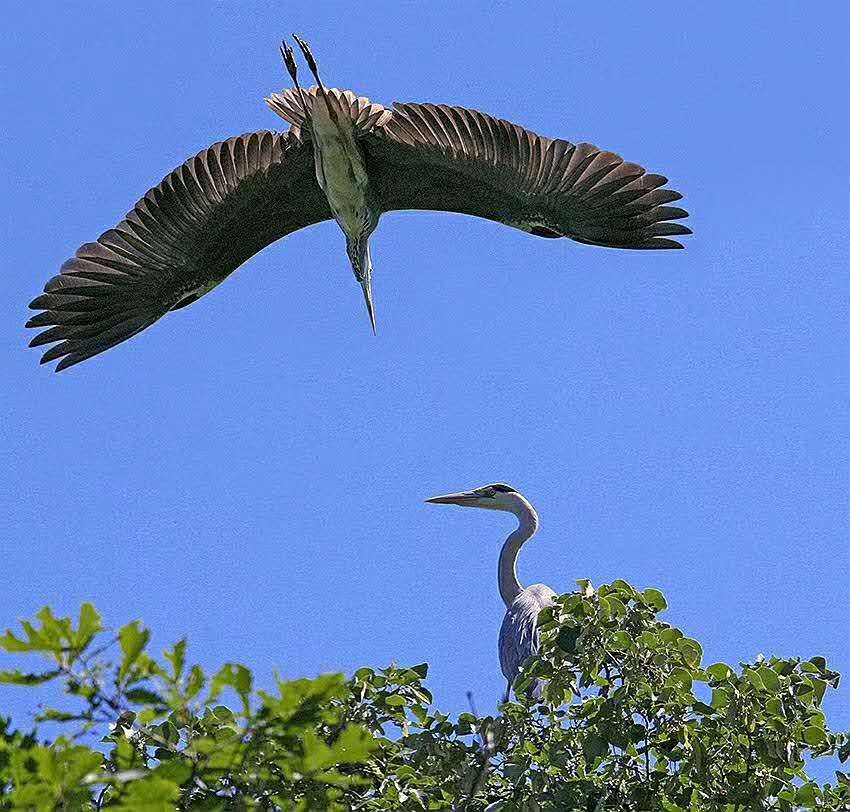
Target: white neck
509 585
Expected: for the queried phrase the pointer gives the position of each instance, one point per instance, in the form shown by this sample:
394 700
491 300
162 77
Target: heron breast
342 176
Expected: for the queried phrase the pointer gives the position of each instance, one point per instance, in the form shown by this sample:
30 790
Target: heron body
518 636
346 158
341 174
340 169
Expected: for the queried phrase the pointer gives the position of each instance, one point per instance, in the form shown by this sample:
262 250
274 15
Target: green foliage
631 719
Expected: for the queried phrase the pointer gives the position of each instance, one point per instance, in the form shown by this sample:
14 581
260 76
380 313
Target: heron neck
509 585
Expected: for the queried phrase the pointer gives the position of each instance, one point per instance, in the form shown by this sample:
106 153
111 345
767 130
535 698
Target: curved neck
509 585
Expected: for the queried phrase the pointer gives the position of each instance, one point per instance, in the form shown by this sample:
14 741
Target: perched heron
518 637
350 159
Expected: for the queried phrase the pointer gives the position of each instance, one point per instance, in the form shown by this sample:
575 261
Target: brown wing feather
452 159
180 240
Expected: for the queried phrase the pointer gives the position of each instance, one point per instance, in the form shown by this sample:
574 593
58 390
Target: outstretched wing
518 637
180 240
452 159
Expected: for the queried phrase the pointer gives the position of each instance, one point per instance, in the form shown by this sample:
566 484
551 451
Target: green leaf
235 676
698 756
53 636
55 631
52 715
133 639
681 676
177 657
818 688
305 698
176 771
807 795
616 607
690 650
719 698
720 671
89 625
585 587
317 755
353 746
144 696
22 678
819 663
769 678
195 682
648 640
10 643
421 669
753 678
655 599
621 641
669 635
593 746
150 795
567 639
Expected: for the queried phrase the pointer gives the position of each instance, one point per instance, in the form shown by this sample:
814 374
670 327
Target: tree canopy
630 719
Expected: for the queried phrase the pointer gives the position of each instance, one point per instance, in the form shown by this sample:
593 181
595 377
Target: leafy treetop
631 719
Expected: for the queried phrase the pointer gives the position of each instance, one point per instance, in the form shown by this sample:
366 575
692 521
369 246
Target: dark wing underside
180 240
453 159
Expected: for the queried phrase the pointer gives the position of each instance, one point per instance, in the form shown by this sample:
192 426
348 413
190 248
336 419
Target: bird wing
445 158
180 240
518 637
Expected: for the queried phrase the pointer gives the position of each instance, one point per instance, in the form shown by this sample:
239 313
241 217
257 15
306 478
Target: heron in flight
350 159
518 637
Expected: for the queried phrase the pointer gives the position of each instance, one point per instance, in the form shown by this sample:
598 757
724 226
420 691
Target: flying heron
518 637
350 159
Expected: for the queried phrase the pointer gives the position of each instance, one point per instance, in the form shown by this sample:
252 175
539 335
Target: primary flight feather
349 159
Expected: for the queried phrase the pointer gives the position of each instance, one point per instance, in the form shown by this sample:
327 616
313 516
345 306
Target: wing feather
180 240
427 156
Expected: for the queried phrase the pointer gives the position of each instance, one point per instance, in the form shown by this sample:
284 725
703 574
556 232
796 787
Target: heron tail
365 115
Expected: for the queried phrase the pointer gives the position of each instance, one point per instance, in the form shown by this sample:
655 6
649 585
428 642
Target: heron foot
289 60
308 55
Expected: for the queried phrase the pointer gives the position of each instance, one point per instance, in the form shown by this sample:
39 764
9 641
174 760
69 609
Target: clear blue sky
251 471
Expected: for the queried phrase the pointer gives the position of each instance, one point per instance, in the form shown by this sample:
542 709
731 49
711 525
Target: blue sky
251 471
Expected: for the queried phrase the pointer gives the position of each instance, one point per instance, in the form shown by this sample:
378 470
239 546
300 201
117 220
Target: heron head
496 496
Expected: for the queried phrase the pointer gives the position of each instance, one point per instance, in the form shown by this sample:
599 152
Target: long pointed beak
366 284
361 264
461 498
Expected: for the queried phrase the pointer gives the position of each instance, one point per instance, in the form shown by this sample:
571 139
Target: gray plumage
349 159
518 636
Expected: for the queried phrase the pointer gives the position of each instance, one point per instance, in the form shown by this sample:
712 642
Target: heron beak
366 284
361 264
463 498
